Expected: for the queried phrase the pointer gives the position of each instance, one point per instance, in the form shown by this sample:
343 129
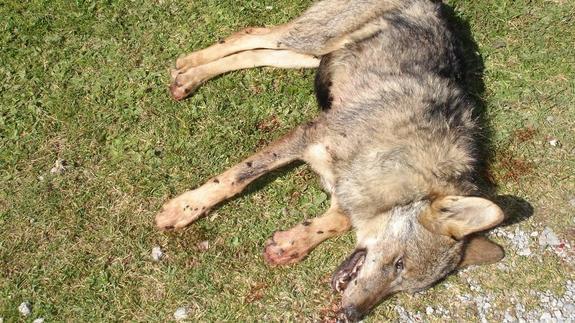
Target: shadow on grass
515 208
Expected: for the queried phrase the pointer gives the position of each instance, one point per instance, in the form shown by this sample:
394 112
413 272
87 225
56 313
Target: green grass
86 81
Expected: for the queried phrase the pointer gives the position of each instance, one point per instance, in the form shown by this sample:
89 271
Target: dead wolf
396 144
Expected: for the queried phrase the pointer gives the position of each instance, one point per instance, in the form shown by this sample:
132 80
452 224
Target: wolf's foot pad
180 211
288 247
185 82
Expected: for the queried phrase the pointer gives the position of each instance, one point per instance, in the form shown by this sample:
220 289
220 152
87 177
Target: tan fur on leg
186 80
190 205
287 247
242 40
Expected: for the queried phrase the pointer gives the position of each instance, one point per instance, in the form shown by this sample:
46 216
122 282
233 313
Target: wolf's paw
288 247
185 82
190 60
181 211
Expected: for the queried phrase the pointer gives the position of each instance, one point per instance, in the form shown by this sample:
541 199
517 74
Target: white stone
429 310
38 320
545 317
519 308
508 317
60 167
569 309
558 315
24 308
548 238
181 314
553 142
204 245
157 253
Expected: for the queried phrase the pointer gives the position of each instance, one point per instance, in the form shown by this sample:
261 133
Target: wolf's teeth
338 286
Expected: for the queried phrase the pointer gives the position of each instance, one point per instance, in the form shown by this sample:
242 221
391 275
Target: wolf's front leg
287 247
190 205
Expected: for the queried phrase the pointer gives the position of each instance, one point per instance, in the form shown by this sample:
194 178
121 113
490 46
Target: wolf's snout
352 314
348 270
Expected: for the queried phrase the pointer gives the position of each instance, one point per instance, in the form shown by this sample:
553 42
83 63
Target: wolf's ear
458 216
481 251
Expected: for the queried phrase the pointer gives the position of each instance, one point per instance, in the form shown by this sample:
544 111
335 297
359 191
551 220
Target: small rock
157 253
269 7
204 245
40 178
24 308
569 309
525 252
545 317
429 310
519 308
554 142
558 315
548 238
499 44
503 267
572 201
60 166
38 320
520 241
181 314
508 317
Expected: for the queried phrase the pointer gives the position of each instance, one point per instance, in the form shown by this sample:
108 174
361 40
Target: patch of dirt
256 89
570 233
512 167
256 292
524 134
269 124
331 312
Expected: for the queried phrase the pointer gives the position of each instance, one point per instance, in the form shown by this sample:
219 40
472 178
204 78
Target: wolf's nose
352 314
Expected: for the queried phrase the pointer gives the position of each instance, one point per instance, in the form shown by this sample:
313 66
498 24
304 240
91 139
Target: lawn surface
86 82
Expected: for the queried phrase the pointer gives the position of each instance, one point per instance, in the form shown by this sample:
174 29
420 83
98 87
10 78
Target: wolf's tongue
348 270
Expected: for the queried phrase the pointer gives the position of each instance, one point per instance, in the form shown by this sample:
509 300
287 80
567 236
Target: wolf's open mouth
348 270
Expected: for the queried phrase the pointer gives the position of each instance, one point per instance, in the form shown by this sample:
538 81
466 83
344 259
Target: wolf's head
409 248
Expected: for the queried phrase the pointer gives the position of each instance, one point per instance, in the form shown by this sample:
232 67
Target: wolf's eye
399 264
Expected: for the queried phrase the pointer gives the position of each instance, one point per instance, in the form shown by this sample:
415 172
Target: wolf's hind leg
326 26
245 39
185 81
287 247
189 206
